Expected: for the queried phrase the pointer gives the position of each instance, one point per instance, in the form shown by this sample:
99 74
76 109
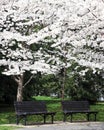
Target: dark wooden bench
73 107
25 108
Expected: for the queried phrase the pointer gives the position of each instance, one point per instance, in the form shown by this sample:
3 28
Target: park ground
61 126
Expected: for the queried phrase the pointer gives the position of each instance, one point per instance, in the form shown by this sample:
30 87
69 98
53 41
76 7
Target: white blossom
76 28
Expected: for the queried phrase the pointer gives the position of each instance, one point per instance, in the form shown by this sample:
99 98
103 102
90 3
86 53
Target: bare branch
28 80
94 15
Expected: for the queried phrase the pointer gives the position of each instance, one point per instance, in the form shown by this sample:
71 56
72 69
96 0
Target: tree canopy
76 24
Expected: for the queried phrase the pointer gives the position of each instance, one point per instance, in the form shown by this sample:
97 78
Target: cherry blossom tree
20 29
82 31
82 35
73 29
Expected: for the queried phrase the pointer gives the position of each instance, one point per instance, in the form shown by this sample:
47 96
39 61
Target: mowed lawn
7 112
7 127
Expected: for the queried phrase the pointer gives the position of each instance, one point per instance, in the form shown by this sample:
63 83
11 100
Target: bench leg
52 116
95 116
88 117
24 120
64 119
65 116
17 119
71 116
44 118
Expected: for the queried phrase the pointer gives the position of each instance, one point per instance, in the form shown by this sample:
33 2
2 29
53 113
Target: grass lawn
7 113
8 128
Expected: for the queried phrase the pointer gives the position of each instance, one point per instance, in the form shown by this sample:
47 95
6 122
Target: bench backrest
75 105
30 106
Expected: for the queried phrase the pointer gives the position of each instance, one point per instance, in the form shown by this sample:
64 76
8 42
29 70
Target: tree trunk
19 80
64 71
63 83
20 92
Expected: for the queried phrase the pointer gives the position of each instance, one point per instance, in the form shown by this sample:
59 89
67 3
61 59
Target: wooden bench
25 108
73 107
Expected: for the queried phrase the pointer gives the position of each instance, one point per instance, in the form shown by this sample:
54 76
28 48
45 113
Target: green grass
7 113
8 128
42 98
46 98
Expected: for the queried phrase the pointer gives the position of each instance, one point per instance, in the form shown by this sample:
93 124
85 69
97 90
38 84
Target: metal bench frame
73 107
25 108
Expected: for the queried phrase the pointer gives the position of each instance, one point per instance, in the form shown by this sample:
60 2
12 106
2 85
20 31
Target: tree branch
94 15
28 80
16 78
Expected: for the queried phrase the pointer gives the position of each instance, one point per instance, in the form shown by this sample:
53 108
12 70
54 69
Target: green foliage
35 47
37 28
77 87
43 85
84 87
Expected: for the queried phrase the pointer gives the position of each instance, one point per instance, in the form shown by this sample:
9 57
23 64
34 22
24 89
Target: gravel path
66 126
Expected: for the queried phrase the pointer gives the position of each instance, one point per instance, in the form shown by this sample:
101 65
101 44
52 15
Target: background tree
86 86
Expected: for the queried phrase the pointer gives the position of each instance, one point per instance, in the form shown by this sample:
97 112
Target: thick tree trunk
20 92
19 80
